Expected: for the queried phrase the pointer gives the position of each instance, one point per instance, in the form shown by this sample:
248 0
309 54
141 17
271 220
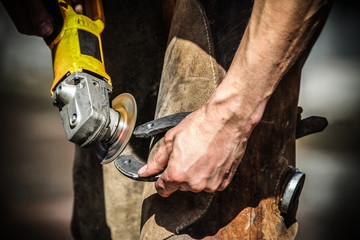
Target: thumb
157 163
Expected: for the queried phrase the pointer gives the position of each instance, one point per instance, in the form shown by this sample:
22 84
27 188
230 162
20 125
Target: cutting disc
126 106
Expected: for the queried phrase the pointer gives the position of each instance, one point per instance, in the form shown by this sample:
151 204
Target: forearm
203 152
277 34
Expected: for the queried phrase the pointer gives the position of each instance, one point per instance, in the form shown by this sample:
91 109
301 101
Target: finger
165 188
211 189
79 6
222 187
40 18
173 179
224 184
159 161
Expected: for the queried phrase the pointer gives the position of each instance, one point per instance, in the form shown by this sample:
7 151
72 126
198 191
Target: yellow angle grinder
81 87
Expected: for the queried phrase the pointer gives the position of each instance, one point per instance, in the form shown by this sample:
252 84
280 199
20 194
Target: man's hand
203 152
31 16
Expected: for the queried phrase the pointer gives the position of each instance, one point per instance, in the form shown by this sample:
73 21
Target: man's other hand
31 16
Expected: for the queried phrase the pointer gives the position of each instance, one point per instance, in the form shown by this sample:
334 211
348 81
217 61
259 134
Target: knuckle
164 188
214 186
199 187
164 194
175 176
212 189
161 192
160 186
168 138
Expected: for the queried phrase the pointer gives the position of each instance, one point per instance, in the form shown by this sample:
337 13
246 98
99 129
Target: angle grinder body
81 88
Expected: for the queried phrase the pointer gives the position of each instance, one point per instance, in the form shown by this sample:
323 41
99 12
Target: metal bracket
292 192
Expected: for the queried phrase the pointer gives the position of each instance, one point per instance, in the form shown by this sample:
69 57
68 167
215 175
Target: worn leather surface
228 20
122 202
190 75
248 208
88 220
134 43
199 48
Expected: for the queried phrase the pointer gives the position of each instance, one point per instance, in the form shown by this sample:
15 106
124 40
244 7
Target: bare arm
278 32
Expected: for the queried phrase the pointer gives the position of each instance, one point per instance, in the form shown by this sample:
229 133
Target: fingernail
45 28
142 170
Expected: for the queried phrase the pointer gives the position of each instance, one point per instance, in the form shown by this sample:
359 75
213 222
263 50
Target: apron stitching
209 44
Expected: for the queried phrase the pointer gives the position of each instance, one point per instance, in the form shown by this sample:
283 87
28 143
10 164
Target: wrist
238 106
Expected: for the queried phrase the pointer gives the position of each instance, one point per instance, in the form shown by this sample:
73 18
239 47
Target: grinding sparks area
36 181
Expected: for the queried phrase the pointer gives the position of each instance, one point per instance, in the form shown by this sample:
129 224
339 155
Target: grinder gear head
87 118
81 87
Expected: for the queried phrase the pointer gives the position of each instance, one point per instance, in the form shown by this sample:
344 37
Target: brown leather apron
202 38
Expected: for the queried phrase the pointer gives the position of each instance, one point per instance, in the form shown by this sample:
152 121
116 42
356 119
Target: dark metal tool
127 164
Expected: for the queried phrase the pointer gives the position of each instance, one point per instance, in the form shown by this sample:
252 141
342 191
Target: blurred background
36 187
36 180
